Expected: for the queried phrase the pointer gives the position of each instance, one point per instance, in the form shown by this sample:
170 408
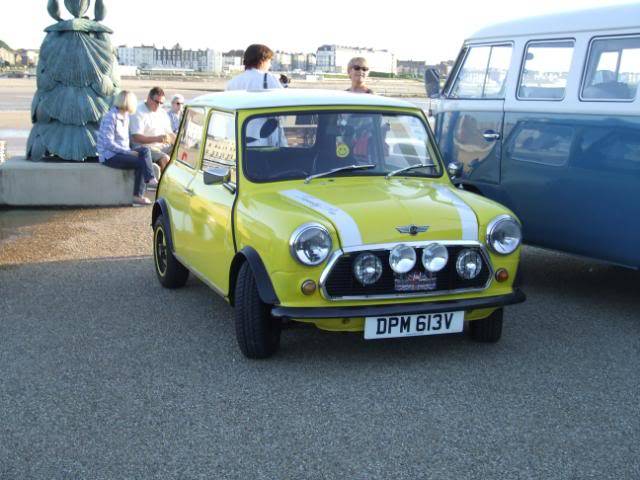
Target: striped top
113 137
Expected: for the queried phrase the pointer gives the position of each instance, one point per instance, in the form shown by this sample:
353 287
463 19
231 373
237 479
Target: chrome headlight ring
310 244
504 235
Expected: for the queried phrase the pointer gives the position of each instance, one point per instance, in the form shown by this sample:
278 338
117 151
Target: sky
411 29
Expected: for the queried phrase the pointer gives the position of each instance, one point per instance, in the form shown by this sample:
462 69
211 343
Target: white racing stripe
347 227
467 216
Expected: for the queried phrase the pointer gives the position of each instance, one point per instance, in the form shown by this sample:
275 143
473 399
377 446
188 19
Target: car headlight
504 234
402 258
434 257
469 264
367 268
310 244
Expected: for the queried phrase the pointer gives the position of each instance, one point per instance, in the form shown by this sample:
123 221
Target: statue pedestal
41 184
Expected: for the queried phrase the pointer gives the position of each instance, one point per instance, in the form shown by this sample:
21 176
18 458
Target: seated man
151 127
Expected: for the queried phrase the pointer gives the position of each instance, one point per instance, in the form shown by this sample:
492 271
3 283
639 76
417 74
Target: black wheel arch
160 208
265 287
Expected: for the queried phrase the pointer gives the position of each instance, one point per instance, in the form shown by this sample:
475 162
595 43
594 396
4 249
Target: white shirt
253 79
150 124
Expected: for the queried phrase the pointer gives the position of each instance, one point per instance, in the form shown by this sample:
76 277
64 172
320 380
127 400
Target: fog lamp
469 264
402 258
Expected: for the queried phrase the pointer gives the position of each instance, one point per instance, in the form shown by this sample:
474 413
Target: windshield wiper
410 167
339 169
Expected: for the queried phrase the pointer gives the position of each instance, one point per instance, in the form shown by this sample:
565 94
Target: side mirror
216 176
454 169
432 82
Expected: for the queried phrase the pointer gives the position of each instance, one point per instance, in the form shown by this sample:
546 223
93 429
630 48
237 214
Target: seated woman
113 146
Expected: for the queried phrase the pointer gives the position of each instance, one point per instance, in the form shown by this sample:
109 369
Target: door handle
491 136
188 191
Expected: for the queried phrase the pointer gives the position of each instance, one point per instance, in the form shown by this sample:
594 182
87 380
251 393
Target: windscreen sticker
468 218
342 150
348 230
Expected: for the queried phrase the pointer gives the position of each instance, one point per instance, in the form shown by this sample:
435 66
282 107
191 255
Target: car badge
413 229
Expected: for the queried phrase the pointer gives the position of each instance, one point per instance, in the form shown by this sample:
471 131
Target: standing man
175 114
256 76
151 127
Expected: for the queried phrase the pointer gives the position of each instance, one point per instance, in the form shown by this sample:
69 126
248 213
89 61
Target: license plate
413 325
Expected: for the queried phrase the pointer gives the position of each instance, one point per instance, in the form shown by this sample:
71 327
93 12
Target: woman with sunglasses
358 70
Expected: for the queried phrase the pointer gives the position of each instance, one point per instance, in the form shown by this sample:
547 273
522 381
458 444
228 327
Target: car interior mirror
268 128
216 175
432 82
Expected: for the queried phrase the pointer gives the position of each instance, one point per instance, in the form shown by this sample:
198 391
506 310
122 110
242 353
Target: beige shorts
158 153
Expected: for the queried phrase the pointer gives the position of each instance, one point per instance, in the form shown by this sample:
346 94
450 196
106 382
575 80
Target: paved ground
105 375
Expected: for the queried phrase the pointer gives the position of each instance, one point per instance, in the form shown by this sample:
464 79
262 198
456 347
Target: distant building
27 58
141 57
415 68
145 57
7 56
311 62
281 61
335 59
232 63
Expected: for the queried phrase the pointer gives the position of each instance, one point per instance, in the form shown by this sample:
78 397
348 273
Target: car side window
545 70
484 72
220 146
613 69
190 139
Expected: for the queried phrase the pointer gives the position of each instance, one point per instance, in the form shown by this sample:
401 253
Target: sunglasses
158 102
357 68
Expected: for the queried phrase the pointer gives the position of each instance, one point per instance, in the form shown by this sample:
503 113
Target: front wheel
257 332
488 330
170 272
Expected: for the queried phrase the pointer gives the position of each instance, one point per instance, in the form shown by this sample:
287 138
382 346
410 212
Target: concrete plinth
41 184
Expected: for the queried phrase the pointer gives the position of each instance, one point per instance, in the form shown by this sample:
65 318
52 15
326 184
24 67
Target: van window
483 72
613 69
545 70
220 147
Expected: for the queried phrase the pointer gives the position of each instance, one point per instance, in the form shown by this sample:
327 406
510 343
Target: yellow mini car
332 209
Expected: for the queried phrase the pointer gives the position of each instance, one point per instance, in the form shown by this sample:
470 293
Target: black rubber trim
265 287
400 308
167 223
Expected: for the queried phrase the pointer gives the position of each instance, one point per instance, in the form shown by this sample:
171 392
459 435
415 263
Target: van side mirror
216 176
454 169
432 82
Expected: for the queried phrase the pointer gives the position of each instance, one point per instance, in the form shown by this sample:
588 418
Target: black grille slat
341 282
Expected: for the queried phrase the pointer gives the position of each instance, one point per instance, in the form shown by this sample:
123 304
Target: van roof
242 99
606 18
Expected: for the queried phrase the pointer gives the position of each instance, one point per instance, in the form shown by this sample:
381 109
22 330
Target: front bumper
400 309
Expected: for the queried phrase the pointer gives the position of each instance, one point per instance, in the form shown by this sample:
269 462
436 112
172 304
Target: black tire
488 330
257 332
171 273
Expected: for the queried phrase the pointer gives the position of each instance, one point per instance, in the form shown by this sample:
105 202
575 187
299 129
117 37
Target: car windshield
319 144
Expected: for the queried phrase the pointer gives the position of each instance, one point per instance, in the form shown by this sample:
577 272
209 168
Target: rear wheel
488 329
170 272
257 332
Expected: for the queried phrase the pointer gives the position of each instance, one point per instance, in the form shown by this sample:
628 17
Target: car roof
252 99
594 19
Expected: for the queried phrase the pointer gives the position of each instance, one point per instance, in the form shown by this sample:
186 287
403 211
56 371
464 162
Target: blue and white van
543 115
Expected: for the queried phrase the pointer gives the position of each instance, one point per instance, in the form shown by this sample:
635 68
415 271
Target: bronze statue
76 80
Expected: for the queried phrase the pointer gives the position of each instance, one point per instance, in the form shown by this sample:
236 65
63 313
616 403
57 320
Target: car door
180 176
470 114
211 205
